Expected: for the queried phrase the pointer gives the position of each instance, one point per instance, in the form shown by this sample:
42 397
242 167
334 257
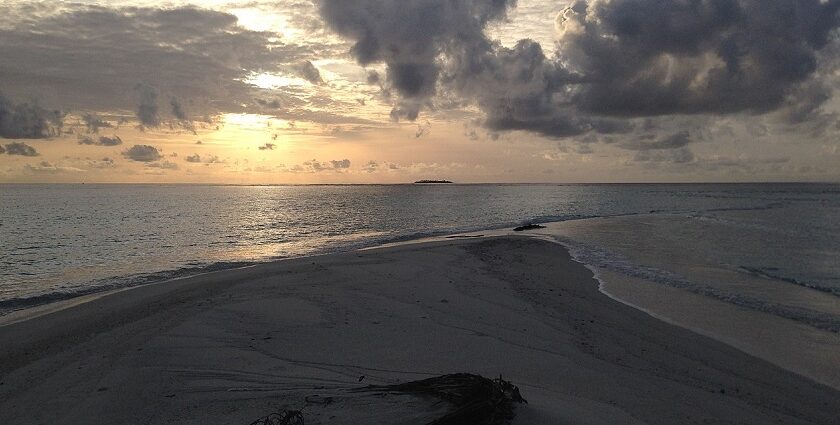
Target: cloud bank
615 60
152 60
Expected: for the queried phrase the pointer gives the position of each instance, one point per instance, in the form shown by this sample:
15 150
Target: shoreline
233 345
39 310
212 267
36 310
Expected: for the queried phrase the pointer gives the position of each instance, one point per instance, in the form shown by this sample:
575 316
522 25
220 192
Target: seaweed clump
477 400
286 417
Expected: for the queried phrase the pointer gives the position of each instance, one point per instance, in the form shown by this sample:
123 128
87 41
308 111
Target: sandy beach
230 347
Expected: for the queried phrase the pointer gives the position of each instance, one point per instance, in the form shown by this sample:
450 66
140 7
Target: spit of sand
232 346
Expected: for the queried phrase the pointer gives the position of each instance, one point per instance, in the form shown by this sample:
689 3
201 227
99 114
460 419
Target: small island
432 182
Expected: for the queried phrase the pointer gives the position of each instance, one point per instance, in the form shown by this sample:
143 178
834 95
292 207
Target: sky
392 91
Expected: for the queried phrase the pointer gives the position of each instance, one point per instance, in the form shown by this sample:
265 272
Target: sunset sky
388 91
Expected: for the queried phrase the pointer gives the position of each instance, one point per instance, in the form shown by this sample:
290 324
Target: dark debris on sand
528 227
286 417
475 400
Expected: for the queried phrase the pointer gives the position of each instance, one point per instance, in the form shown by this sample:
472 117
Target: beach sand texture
231 346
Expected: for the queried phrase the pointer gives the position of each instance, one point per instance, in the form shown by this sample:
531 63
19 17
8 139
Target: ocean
754 265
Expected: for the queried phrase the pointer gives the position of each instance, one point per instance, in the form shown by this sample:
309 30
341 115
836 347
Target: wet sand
232 346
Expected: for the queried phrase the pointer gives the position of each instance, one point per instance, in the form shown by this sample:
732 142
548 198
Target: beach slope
233 346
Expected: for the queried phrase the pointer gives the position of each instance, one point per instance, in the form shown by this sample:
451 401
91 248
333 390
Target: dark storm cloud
626 58
143 153
517 87
615 60
27 120
147 107
19 148
647 57
309 72
409 35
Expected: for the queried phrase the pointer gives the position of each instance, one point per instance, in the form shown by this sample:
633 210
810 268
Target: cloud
20 148
98 53
147 107
674 141
340 164
142 153
105 162
410 35
110 141
614 60
713 56
2 150
197 159
422 129
267 147
371 166
373 77
46 167
264 169
315 166
101 141
94 123
164 165
178 110
676 156
27 120
309 72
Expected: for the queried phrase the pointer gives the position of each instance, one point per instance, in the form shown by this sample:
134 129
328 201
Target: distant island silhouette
432 182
